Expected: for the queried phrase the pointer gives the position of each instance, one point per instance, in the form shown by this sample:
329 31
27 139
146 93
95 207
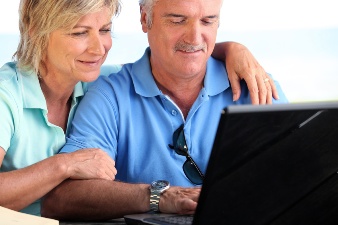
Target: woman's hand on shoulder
241 64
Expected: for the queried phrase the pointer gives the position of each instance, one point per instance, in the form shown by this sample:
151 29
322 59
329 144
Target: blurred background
294 40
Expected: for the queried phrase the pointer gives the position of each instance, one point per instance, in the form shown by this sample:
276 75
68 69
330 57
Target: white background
294 40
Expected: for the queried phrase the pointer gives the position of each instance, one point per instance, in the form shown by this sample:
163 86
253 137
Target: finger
108 174
187 206
235 85
263 81
273 88
109 166
252 83
253 86
265 94
192 193
268 98
103 171
112 171
262 90
268 92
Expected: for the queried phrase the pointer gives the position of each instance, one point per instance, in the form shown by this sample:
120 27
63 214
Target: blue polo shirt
127 116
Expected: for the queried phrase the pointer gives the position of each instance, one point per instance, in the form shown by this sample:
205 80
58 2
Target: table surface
110 222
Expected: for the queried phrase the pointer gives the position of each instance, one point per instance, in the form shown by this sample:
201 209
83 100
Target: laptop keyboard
167 220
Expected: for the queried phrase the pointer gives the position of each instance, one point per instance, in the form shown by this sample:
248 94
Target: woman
63 45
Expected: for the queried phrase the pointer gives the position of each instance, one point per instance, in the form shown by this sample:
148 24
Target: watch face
159 184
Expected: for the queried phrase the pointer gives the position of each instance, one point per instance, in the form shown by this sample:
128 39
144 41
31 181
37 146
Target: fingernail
234 97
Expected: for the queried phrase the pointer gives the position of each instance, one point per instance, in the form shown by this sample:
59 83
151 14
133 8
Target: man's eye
178 21
208 22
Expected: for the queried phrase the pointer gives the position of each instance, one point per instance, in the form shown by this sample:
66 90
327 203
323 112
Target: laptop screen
266 160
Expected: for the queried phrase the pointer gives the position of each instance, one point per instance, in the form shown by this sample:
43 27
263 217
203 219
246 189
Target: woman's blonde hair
38 18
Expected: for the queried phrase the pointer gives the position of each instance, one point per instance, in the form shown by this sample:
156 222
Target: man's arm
102 200
241 64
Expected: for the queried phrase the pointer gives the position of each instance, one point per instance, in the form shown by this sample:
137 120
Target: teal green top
26 135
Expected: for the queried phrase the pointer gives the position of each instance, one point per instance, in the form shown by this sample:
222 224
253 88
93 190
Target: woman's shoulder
15 82
8 71
9 78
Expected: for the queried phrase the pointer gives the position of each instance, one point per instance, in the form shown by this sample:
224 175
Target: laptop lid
265 160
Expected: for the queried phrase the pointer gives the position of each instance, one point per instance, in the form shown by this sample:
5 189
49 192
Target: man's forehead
186 6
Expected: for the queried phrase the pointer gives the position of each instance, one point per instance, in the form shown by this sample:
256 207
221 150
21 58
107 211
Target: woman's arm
20 188
241 64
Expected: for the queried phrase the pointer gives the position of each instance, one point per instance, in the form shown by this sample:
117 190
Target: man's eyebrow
179 15
173 15
212 17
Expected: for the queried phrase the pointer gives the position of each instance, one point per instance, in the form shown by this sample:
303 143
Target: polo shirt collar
216 77
32 95
215 82
144 82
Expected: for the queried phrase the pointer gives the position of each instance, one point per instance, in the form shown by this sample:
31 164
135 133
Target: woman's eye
79 33
105 31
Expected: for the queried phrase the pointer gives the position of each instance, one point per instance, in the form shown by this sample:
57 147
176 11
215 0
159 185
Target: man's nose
193 34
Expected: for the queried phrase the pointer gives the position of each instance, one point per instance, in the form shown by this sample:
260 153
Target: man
159 120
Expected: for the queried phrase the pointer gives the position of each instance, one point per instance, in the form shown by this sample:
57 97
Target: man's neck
183 93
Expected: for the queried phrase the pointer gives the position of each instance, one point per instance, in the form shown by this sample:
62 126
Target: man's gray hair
147 6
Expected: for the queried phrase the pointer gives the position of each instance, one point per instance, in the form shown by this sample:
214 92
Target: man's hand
89 164
241 64
179 200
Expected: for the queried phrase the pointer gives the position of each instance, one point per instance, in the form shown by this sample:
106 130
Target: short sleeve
7 119
94 124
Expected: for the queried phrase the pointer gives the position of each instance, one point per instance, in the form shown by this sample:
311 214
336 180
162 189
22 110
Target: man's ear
143 20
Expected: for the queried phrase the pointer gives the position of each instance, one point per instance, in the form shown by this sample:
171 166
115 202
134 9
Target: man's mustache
189 48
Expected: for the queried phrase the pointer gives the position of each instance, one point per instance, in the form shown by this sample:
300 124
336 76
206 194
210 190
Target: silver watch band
156 189
154 201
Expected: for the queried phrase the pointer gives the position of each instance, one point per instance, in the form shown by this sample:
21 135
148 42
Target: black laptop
270 164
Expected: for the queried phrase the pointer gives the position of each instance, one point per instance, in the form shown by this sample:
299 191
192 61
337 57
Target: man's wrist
156 189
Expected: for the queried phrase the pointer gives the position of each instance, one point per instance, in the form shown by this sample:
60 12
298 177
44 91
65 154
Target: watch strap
154 200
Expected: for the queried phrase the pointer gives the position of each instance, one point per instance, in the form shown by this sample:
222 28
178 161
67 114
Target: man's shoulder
108 69
120 78
215 63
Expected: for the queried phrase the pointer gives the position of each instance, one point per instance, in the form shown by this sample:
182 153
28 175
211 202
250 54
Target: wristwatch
156 189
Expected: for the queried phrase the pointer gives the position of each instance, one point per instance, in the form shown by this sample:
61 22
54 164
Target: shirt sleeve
7 108
95 121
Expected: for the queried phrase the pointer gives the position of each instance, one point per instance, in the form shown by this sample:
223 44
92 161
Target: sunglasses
190 168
